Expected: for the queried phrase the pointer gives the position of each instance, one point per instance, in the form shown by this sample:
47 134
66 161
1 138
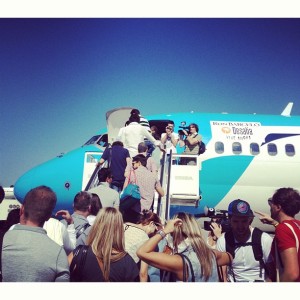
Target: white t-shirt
132 135
62 235
134 238
245 267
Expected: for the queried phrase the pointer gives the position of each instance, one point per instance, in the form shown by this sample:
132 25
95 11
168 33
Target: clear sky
58 77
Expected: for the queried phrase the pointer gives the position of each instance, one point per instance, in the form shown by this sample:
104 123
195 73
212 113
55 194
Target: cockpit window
92 140
101 140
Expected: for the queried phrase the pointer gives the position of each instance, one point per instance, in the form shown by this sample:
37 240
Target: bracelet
275 225
161 233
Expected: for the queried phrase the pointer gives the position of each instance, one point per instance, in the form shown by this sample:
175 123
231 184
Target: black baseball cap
240 208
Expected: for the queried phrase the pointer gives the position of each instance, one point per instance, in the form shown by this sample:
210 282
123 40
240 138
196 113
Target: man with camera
215 230
191 143
250 247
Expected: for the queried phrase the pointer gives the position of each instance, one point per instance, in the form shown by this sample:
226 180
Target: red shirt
285 238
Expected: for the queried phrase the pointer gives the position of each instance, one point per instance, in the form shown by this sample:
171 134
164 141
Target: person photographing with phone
169 139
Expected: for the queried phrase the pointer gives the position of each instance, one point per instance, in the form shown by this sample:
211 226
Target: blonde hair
106 238
190 229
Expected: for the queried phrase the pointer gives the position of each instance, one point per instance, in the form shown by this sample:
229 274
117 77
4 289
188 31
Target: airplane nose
24 184
63 175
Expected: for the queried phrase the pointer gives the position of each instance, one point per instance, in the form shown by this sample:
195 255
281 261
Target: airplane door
115 119
90 161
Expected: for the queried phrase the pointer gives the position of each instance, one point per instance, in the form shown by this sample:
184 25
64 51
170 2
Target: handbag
130 195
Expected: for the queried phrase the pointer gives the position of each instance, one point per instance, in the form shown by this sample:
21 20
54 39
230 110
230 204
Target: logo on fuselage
234 130
226 130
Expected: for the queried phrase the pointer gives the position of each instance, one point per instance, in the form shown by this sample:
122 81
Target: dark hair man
118 158
148 183
284 205
170 138
81 205
28 254
245 266
109 197
143 121
135 133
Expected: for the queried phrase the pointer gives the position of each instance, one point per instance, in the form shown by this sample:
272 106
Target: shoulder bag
167 276
130 195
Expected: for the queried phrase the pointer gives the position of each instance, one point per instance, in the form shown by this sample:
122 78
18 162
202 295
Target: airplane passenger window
236 148
272 149
219 147
289 150
254 148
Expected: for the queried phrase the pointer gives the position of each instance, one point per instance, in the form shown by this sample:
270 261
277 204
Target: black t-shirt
123 270
118 162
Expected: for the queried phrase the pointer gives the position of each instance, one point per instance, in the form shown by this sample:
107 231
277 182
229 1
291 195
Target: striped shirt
144 122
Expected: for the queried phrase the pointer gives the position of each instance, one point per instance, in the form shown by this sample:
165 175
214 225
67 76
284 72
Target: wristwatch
161 233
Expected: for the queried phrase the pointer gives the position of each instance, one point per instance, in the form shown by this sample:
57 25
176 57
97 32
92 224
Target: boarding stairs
180 182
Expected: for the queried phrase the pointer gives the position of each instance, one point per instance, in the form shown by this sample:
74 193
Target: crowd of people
100 242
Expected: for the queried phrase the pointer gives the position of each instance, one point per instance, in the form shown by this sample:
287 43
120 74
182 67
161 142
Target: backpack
202 148
231 246
78 261
82 229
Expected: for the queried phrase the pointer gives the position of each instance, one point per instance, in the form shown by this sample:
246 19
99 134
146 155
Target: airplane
8 203
248 156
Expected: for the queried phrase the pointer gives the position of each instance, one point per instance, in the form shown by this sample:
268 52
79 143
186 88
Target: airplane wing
115 119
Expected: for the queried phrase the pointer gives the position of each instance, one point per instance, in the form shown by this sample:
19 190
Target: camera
183 127
217 216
